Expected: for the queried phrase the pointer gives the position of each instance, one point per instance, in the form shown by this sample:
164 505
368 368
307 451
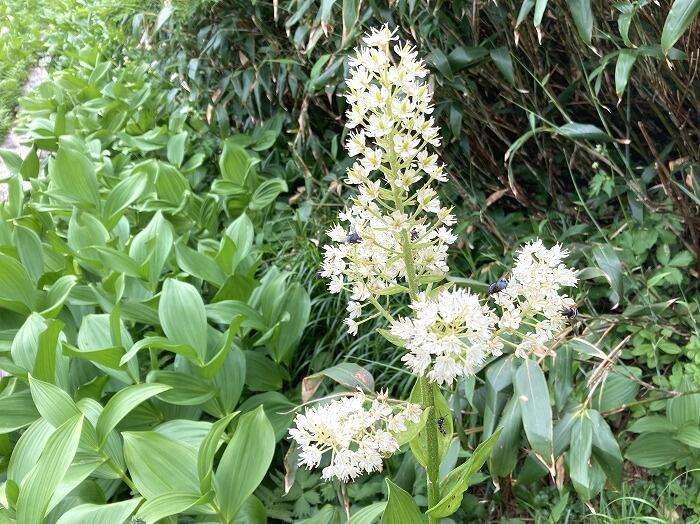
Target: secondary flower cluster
533 292
396 223
449 336
357 432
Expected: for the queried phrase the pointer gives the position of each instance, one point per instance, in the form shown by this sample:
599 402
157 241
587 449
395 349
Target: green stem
408 260
431 430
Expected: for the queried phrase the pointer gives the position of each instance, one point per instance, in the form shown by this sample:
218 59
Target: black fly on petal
498 286
353 238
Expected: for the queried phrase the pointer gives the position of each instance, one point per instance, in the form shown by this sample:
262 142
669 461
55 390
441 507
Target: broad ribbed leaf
401 507
122 403
17 291
245 461
653 450
38 486
369 514
208 449
100 513
17 411
160 465
169 504
182 315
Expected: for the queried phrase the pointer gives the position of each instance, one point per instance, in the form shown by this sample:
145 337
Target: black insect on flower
414 235
353 238
570 312
498 286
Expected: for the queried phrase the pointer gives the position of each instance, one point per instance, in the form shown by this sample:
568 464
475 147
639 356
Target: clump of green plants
143 341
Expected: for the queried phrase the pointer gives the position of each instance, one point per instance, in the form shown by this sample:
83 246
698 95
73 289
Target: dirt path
13 141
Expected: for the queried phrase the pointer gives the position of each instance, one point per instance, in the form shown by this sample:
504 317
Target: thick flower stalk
354 432
393 238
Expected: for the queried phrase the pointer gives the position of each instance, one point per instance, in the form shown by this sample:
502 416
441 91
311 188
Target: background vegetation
210 137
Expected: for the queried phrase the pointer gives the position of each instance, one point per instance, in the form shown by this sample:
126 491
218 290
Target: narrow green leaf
457 481
580 449
583 18
623 69
535 407
38 486
681 15
208 449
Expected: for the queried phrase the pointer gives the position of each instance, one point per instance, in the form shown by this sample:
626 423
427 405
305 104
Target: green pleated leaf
182 315
17 291
653 450
690 436
505 455
17 411
369 514
186 389
606 450
169 504
244 462
38 486
401 507
115 513
122 403
159 465
208 449
74 177
685 408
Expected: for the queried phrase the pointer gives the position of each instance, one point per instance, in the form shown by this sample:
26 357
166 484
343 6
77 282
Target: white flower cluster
357 432
449 336
395 206
533 292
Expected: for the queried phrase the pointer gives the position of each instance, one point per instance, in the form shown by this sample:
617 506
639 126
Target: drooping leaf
535 407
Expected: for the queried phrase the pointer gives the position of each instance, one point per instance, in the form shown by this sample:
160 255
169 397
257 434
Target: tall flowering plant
393 238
